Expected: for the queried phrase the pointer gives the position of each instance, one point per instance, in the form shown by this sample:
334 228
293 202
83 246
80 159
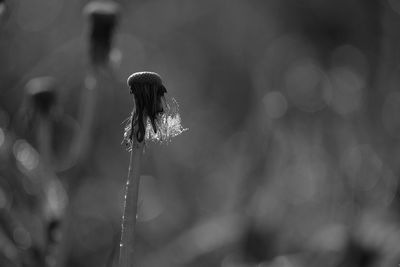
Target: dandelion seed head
148 92
153 117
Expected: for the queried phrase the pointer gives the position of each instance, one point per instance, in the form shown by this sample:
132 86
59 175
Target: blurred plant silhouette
103 16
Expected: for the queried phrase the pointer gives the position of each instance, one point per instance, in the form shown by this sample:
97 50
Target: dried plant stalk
130 208
149 121
148 90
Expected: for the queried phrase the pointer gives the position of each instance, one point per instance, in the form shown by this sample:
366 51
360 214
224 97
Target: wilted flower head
41 94
148 92
103 16
152 117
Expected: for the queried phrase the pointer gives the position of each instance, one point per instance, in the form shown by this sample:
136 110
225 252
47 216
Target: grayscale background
292 153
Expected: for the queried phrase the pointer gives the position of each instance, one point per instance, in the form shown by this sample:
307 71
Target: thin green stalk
128 233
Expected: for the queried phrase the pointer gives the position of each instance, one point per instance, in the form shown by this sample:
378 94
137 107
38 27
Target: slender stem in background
128 233
44 148
80 153
54 198
44 140
86 117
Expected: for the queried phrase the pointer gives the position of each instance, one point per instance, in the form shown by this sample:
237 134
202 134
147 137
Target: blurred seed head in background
41 94
103 18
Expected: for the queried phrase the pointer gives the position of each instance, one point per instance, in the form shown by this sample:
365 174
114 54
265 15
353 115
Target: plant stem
86 116
44 140
128 233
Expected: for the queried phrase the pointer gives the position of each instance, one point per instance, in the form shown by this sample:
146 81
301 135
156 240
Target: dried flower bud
41 94
103 16
148 92
152 118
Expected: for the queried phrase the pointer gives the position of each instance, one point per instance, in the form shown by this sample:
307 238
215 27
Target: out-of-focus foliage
292 153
